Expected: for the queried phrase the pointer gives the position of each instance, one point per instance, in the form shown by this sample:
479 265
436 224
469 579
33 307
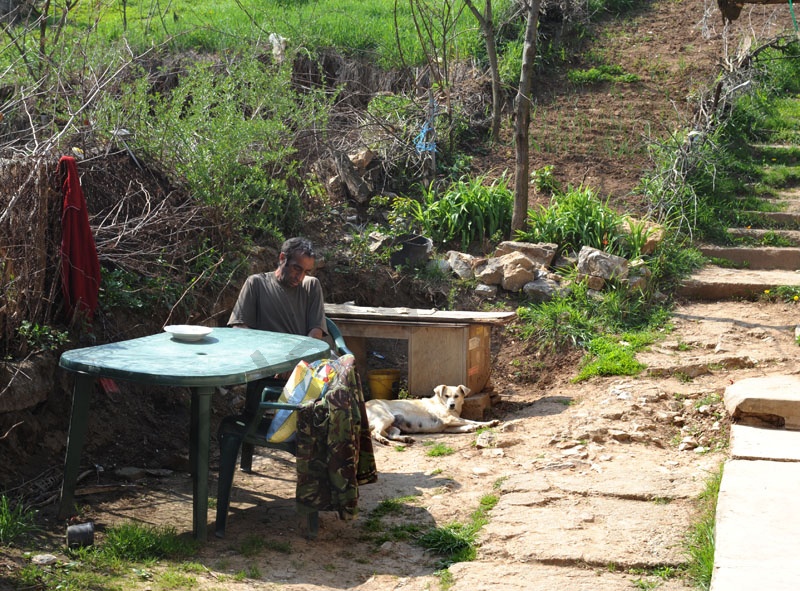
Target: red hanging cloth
80 267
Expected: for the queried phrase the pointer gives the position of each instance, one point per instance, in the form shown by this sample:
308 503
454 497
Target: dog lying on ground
441 413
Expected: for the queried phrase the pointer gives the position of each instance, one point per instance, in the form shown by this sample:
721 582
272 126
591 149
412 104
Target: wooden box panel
436 355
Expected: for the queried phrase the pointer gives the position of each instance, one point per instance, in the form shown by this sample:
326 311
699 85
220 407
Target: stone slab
767 396
557 528
718 283
757 443
757 525
471 576
654 478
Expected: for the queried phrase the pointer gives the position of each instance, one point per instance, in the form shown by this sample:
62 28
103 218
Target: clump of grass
456 542
609 355
136 542
700 540
15 520
438 449
602 73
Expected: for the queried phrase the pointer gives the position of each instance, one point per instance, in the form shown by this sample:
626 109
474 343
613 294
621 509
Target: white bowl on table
188 332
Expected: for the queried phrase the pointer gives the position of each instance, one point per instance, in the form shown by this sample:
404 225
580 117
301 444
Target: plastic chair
248 430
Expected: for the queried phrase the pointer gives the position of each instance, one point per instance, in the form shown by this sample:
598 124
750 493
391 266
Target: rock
651 231
621 436
486 439
765 401
44 559
541 253
463 264
357 187
362 159
490 272
542 289
518 270
596 263
487 292
639 275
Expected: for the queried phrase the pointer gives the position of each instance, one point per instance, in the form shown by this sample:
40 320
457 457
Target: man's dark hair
298 245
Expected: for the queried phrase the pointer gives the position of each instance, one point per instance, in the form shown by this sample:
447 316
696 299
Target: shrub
227 130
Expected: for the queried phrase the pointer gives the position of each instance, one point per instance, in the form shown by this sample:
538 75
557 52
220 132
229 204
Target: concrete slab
757 525
757 443
766 399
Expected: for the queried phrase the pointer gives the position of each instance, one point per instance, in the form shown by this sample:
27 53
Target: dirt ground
596 481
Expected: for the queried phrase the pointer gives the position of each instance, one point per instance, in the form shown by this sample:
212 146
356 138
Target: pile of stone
531 268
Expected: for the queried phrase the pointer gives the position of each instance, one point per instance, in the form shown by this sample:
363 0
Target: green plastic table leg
199 442
77 434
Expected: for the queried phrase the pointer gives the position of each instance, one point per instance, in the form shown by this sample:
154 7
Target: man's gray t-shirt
265 304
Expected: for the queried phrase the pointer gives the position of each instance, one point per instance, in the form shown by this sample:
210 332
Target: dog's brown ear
437 391
465 390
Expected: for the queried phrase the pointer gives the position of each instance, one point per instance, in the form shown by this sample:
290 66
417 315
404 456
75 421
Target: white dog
441 413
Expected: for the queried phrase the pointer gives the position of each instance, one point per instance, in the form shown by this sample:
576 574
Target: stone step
757 234
719 283
785 258
784 218
765 400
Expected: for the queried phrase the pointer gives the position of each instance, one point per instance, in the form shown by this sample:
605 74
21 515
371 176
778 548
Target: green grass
184 24
700 540
436 450
129 552
456 542
16 520
602 73
614 355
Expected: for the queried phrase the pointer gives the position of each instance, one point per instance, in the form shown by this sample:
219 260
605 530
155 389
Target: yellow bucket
383 383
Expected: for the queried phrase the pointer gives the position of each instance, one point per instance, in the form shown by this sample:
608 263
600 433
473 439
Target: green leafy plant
228 133
574 219
42 337
467 211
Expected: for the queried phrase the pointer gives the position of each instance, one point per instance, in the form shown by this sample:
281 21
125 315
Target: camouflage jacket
334 451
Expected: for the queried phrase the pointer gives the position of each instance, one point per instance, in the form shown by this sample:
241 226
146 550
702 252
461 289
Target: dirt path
596 481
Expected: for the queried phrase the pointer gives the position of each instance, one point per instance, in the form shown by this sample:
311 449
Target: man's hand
316 333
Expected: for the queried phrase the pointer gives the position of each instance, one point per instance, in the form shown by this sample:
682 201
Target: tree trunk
486 22
523 118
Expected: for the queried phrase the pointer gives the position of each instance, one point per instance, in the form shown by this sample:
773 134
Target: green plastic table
226 357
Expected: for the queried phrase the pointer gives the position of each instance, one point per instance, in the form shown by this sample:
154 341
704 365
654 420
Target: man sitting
286 300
